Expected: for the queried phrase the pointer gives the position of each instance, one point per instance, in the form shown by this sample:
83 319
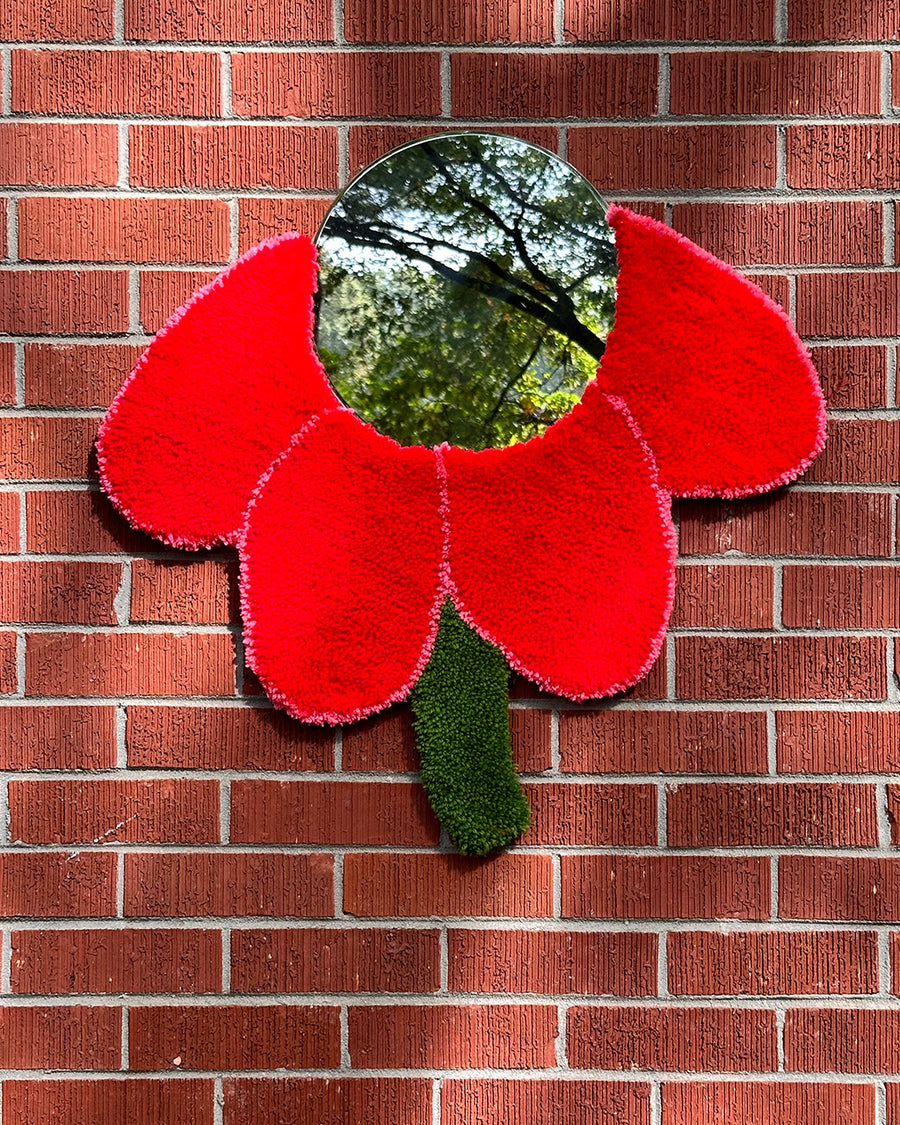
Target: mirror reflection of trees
467 288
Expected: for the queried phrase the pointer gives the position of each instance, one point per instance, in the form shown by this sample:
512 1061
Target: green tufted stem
460 713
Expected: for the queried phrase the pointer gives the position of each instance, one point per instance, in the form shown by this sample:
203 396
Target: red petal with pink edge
562 551
216 397
712 370
341 571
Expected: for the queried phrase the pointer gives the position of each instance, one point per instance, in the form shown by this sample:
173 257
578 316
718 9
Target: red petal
562 551
216 397
712 370
341 571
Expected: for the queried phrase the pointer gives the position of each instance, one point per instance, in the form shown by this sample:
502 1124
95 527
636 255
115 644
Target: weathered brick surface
820 83
57 885
559 85
217 21
47 962
501 1036
852 376
841 597
395 84
191 884
328 1101
765 963
775 1103
844 156
146 83
58 737
567 963
662 742
702 815
202 592
67 302
666 886
57 154
690 1039
838 741
58 20
319 960
43 1102
64 592
842 1041
550 1101
724 597
79 522
448 21
263 218
233 1037
59 1038
863 888
87 375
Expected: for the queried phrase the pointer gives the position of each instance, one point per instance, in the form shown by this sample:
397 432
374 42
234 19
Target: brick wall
214 915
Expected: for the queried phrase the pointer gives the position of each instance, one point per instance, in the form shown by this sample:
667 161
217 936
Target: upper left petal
216 397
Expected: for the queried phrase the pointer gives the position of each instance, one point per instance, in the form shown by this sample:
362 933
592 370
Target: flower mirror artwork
456 455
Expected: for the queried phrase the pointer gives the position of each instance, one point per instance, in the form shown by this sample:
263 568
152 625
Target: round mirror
467 287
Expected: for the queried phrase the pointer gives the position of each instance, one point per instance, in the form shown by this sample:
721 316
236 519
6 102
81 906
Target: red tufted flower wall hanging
372 571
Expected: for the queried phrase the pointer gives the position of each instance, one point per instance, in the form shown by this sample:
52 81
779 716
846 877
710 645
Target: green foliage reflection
468 285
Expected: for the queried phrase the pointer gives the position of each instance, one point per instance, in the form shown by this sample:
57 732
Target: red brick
662 742
576 813
76 522
129 664
841 597
852 376
448 21
220 738
614 20
318 960
558 85
263 218
449 1035
773 964
557 963
893 812
64 592
775 286
368 142
75 302
80 229
48 962
162 292
76 374
328 1101
647 157
57 20
60 1038
842 19
838 741
356 84
233 1037
217 21
820 83
46 448
860 451
108 811
767 1103
551 1101
53 738
10 539
530 732
410 886
895 78
145 83
780 815
688 1039
858 888
331 812
201 591
665 886
654 685
7 354
846 156
9 675
791 523
781 668
54 154
234 156
723 597
895 970
57 885
842 1041
804 233
42 1102
193 884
